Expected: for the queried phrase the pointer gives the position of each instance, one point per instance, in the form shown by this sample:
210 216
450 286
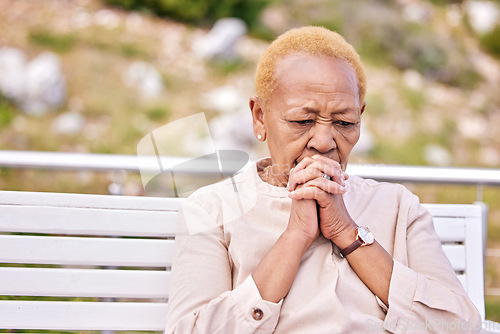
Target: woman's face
314 109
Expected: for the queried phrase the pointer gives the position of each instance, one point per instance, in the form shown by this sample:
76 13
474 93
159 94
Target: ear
363 108
257 109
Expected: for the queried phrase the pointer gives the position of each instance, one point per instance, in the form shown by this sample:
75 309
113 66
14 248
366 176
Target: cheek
348 140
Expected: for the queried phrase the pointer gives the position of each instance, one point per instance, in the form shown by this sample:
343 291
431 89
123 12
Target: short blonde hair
316 41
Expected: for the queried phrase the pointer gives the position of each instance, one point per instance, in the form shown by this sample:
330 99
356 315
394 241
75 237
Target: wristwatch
363 238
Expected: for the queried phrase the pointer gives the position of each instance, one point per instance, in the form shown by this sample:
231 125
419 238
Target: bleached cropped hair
316 41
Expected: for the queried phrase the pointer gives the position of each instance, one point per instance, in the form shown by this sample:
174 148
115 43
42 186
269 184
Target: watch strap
351 248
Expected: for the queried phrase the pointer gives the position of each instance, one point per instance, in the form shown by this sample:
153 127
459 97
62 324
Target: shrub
491 41
198 11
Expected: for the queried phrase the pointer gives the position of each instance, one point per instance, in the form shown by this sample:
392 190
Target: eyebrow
310 110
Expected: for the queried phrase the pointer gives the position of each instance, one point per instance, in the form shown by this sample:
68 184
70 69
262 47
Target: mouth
341 162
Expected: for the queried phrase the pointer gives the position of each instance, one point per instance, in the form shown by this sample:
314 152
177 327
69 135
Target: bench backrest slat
86 221
450 229
456 255
26 198
86 251
82 315
65 282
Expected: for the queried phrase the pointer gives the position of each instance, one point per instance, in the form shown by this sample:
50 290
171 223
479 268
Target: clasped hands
318 205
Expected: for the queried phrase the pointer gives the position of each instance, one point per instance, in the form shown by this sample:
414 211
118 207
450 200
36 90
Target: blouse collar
257 184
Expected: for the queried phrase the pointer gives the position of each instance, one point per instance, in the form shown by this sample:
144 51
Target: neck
274 177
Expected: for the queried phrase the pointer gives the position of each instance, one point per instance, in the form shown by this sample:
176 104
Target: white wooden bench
114 255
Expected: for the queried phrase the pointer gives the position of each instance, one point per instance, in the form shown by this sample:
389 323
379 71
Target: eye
345 124
304 122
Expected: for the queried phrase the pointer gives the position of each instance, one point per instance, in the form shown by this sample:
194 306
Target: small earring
259 136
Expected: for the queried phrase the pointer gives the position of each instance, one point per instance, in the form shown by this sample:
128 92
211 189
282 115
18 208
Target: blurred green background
433 76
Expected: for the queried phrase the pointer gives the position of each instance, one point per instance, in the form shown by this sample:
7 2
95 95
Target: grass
56 42
414 98
7 112
158 113
492 305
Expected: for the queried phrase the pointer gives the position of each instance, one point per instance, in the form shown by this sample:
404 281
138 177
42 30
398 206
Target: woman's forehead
314 74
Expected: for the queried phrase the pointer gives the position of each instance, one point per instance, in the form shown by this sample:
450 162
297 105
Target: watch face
365 235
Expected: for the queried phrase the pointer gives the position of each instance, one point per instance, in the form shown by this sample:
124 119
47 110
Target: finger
292 179
302 164
316 168
336 163
303 176
330 167
333 188
327 186
313 190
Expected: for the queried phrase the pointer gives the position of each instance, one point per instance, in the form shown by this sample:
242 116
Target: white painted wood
86 251
87 221
82 315
463 279
150 221
471 258
142 203
84 282
475 262
453 210
450 229
456 255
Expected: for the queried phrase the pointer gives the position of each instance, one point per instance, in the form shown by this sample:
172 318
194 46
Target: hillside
433 76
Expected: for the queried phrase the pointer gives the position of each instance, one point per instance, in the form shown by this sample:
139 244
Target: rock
134 22
365 142
483 15
226 99
12 67
69 123
81 20
413 79
107 18
233 132
36 86
417 12
437 155
144 78
45 86
221 41
472 126
454 15
276 18
489 156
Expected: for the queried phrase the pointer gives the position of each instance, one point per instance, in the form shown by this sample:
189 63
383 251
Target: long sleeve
425 293
203 298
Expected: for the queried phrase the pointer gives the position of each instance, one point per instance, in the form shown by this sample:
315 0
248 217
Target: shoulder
361 185
392 201
212 196
387 195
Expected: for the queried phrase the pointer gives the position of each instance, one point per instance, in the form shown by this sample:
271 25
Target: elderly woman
293 245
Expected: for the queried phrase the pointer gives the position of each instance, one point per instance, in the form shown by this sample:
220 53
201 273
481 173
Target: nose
322 138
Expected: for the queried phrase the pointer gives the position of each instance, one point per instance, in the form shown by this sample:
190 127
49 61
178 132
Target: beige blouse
225 230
